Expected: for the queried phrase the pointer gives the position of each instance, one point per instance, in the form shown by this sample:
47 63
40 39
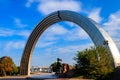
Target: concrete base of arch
96 33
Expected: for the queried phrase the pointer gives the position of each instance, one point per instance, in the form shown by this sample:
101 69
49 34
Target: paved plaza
41 76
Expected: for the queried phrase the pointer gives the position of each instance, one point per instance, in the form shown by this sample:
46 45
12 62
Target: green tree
15 70
57 67
54 66
94 63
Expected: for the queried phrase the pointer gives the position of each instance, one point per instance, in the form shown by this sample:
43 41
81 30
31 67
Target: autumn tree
7 66
2 71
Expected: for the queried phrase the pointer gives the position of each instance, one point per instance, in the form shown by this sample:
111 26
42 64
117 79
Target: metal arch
96 33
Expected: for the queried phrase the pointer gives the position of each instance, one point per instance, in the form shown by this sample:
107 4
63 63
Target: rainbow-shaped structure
96 33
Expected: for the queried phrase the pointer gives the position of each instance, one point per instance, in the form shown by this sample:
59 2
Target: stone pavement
40 76
40 79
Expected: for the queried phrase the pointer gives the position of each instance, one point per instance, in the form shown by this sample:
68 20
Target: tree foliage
56 67
94 63
15 70
7 66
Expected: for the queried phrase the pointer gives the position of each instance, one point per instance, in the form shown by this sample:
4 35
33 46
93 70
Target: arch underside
96 33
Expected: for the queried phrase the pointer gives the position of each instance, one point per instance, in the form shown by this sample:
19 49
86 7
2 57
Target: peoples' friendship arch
96 33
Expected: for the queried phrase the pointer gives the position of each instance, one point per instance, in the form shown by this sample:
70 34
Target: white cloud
19 24
57 29
66 53
29 2
24 33
53 32
54 5
10 32
112 26
95 15
14 45
51 35
43 44
76 34
67 49
6 32
58 32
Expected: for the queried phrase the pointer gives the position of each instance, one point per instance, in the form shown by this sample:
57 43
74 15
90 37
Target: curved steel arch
96 33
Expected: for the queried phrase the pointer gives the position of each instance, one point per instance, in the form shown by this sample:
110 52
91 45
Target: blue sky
19 17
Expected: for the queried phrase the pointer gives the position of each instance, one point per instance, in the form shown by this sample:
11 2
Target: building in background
44 69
